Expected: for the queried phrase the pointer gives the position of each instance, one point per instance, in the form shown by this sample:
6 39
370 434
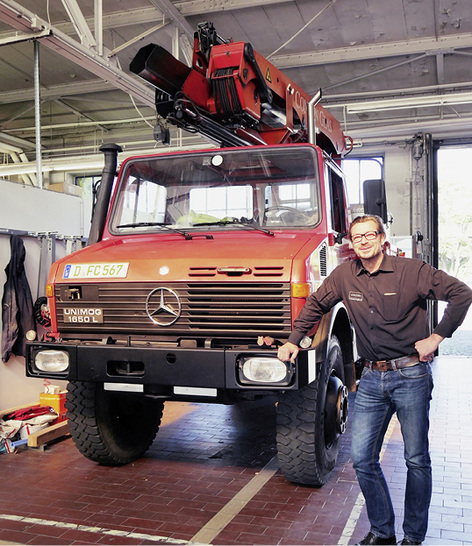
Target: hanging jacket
17 303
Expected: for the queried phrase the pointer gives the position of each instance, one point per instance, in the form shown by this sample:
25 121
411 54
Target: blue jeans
380 394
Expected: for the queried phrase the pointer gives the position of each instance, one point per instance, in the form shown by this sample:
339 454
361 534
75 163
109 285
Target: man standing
386 300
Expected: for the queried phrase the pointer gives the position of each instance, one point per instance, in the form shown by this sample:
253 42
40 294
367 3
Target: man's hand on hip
427 347
288 351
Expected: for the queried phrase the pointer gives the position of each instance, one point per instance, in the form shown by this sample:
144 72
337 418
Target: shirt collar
386 265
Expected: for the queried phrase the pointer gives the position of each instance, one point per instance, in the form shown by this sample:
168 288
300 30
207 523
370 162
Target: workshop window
357 170
88 183
224 202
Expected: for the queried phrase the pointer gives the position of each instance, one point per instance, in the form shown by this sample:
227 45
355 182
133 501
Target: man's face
367 248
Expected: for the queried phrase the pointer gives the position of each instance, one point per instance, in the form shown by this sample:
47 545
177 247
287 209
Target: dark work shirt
388 307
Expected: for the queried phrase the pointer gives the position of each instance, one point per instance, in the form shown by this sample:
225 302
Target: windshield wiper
186 234
236 223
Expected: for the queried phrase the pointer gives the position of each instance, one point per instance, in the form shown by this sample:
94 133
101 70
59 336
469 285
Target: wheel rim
336 410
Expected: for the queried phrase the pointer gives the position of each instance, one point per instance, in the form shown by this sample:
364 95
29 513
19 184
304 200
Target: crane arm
233 95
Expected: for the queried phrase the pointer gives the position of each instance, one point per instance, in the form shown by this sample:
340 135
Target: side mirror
375 201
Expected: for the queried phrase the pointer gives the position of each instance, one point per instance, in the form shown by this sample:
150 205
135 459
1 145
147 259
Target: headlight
264 369
51 361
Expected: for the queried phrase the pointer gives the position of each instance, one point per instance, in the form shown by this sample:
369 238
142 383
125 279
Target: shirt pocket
392 306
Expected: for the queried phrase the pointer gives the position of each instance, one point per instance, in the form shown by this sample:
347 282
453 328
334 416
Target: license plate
83 315
95 271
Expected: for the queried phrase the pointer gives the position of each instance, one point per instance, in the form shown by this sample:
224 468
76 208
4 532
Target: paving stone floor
212 472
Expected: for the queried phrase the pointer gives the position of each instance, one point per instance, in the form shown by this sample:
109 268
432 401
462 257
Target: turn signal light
300 290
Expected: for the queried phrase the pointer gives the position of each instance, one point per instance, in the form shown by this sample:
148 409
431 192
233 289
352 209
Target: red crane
235 97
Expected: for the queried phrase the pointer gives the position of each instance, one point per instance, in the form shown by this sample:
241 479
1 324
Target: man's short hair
367 218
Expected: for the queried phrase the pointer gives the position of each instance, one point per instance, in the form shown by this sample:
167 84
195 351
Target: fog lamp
263 369
52 361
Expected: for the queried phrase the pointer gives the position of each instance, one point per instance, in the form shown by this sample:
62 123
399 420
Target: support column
37 116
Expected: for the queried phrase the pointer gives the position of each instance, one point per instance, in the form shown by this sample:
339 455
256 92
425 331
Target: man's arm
317 304
436 284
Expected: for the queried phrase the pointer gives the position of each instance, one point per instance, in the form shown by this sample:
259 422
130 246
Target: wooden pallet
48 434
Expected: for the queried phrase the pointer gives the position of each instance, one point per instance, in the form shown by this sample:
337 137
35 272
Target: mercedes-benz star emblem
163 306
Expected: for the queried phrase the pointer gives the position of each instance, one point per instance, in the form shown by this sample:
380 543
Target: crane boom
233 95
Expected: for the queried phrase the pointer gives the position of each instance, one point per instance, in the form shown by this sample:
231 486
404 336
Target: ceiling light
409 102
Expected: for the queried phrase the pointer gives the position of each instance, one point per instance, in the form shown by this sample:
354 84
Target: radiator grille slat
228 308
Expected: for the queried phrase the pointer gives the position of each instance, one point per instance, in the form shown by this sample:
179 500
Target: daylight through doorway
455 233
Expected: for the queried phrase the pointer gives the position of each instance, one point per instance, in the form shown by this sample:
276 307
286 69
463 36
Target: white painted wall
33 210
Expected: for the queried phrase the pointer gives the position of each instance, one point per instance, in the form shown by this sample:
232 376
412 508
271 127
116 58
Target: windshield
263 188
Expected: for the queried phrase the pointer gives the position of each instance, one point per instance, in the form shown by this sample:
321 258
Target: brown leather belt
393 364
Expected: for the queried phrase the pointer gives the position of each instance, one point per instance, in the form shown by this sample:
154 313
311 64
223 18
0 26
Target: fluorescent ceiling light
53 165
409 102
91 163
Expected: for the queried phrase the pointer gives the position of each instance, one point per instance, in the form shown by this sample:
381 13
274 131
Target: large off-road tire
310 422
111 428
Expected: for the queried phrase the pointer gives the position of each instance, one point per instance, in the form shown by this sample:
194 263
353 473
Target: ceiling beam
23 20
138 38
150 14
19 143
79 22
403 129
197 7
56 91
440 68
171 12
397 92
118 19
81 114
429 46
406 103
90 162
18 37
186 32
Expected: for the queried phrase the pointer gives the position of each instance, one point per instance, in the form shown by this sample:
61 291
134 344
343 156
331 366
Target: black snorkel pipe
100 209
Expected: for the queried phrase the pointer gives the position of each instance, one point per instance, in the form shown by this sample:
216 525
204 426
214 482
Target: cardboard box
56 402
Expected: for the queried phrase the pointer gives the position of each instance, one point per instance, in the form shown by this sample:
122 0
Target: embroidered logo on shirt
356 296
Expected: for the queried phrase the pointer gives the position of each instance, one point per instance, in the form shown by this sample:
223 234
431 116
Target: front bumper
167 367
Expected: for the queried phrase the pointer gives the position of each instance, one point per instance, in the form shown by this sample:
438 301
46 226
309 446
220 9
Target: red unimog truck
194 255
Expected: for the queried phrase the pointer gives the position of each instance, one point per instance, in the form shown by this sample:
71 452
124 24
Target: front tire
111 428
310 422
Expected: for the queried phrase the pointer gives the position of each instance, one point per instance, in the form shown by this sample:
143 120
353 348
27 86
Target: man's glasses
369 235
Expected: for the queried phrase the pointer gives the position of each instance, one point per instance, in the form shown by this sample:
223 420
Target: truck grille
217 309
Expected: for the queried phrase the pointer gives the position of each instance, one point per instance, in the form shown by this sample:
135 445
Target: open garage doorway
455 233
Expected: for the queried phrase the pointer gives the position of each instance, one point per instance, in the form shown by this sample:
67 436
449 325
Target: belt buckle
382 365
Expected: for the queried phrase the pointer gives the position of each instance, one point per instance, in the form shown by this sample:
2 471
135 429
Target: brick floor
204 455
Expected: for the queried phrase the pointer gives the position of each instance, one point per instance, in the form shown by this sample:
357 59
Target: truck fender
337 323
